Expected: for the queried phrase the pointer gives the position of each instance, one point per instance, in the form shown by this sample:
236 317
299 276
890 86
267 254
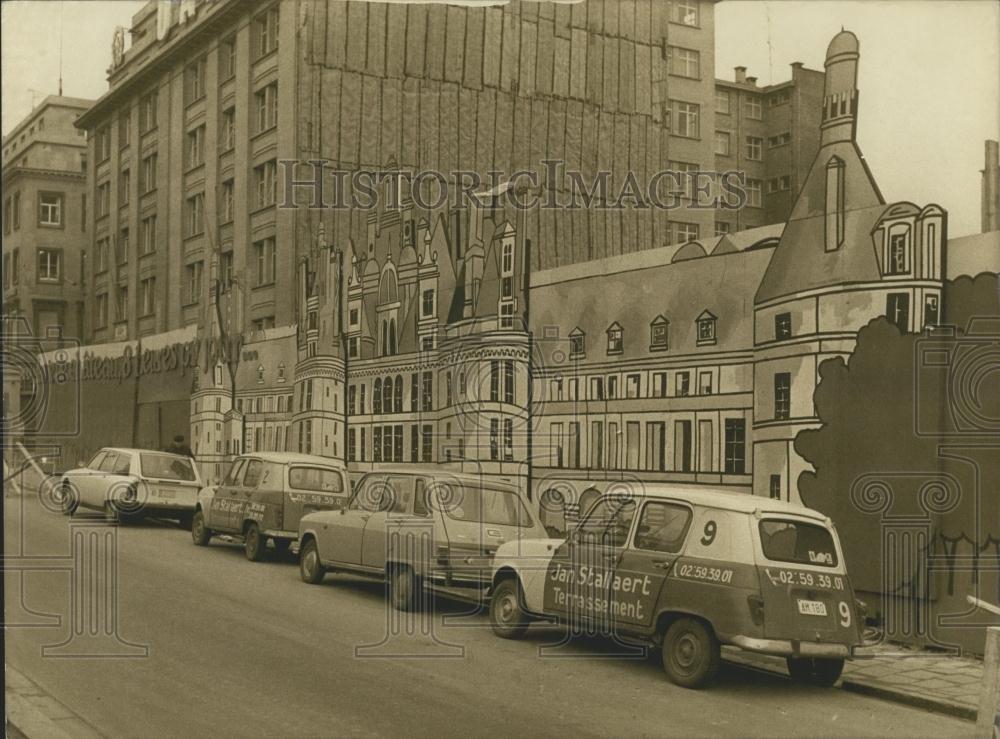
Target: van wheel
254 543
200 533
310 568
820 671
691 653
404 587
507 616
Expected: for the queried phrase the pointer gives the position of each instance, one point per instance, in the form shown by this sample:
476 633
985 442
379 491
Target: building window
49 265
196 147
682 386
227 58
774 487
508 439
264 177
754 188
124 186
147 235
265 30
194 81
781 139
102 310
427 304
897 310
506 315
931 310
684 12
755 145
121 304
194 214
684 174
508 381
228 201
632 386
722 102
147 173
616 340
494 439
556 445
102 143
124 129
50 209
427 443
427 394
782 396
577 344
779 98
122 252
193 278
706 328
147 295
684 62
723 141
659 385
101 261
147 112
264 259
735 461
658 333
722 228
266 106
685 119
228 129
705 383
897 263
783 326
751 107
102 206
596 388
682 233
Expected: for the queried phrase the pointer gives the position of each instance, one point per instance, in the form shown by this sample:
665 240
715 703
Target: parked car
415 526
688 570
131 483
263 497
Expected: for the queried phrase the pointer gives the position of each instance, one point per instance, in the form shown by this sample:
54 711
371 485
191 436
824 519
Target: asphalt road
243 649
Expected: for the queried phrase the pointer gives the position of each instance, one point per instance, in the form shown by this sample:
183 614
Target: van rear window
486 506
319 479
794 541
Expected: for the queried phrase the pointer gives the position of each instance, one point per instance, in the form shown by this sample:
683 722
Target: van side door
219 512
648 559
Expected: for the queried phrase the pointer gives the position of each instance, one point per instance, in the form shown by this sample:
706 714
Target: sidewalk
929 680
34 714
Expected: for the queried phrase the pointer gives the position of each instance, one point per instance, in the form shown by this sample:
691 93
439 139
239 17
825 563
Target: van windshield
167 467
320 479
785 540
487 505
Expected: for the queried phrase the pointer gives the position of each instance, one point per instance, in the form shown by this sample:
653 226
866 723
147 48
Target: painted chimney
991 188
752 81
741 74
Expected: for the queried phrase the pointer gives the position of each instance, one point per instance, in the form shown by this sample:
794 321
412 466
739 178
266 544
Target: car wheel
310 568
254 543
68 498
507 616
691 653
200 533
404 587
819 671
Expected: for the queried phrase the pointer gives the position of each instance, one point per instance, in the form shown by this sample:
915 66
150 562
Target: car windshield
486 505
785 540
320 479
167 467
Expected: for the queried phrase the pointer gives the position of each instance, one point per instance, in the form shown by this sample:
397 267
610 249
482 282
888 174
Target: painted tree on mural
903 414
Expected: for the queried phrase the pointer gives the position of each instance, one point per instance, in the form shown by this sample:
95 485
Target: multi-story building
771 134
698 363
45 229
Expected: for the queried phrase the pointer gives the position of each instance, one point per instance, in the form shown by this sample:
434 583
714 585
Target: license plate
166 493
812 608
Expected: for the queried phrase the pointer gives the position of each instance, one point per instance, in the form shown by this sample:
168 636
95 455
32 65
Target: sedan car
132 483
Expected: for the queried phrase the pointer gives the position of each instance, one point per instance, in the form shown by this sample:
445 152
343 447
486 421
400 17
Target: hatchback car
688 570
131 483
415 526
263 497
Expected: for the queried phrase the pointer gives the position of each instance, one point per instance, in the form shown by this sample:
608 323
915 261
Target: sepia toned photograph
459 368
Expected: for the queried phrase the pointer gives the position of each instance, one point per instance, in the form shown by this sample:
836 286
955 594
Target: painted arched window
377 396
397 395
392 336
387 292
387 395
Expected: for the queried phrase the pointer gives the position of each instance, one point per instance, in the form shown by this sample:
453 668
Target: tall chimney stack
991 187
741 74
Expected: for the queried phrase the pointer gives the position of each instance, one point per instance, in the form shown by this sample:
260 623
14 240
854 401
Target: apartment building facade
770 133
45 228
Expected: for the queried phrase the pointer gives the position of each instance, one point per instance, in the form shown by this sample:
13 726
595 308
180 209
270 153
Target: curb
31 713
917 701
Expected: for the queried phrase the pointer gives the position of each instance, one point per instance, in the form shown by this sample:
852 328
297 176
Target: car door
580 573
647 560
341 537
84 479
396 503
244 494
220 509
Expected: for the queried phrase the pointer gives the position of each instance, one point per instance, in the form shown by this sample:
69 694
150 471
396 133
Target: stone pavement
924 679
34 714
